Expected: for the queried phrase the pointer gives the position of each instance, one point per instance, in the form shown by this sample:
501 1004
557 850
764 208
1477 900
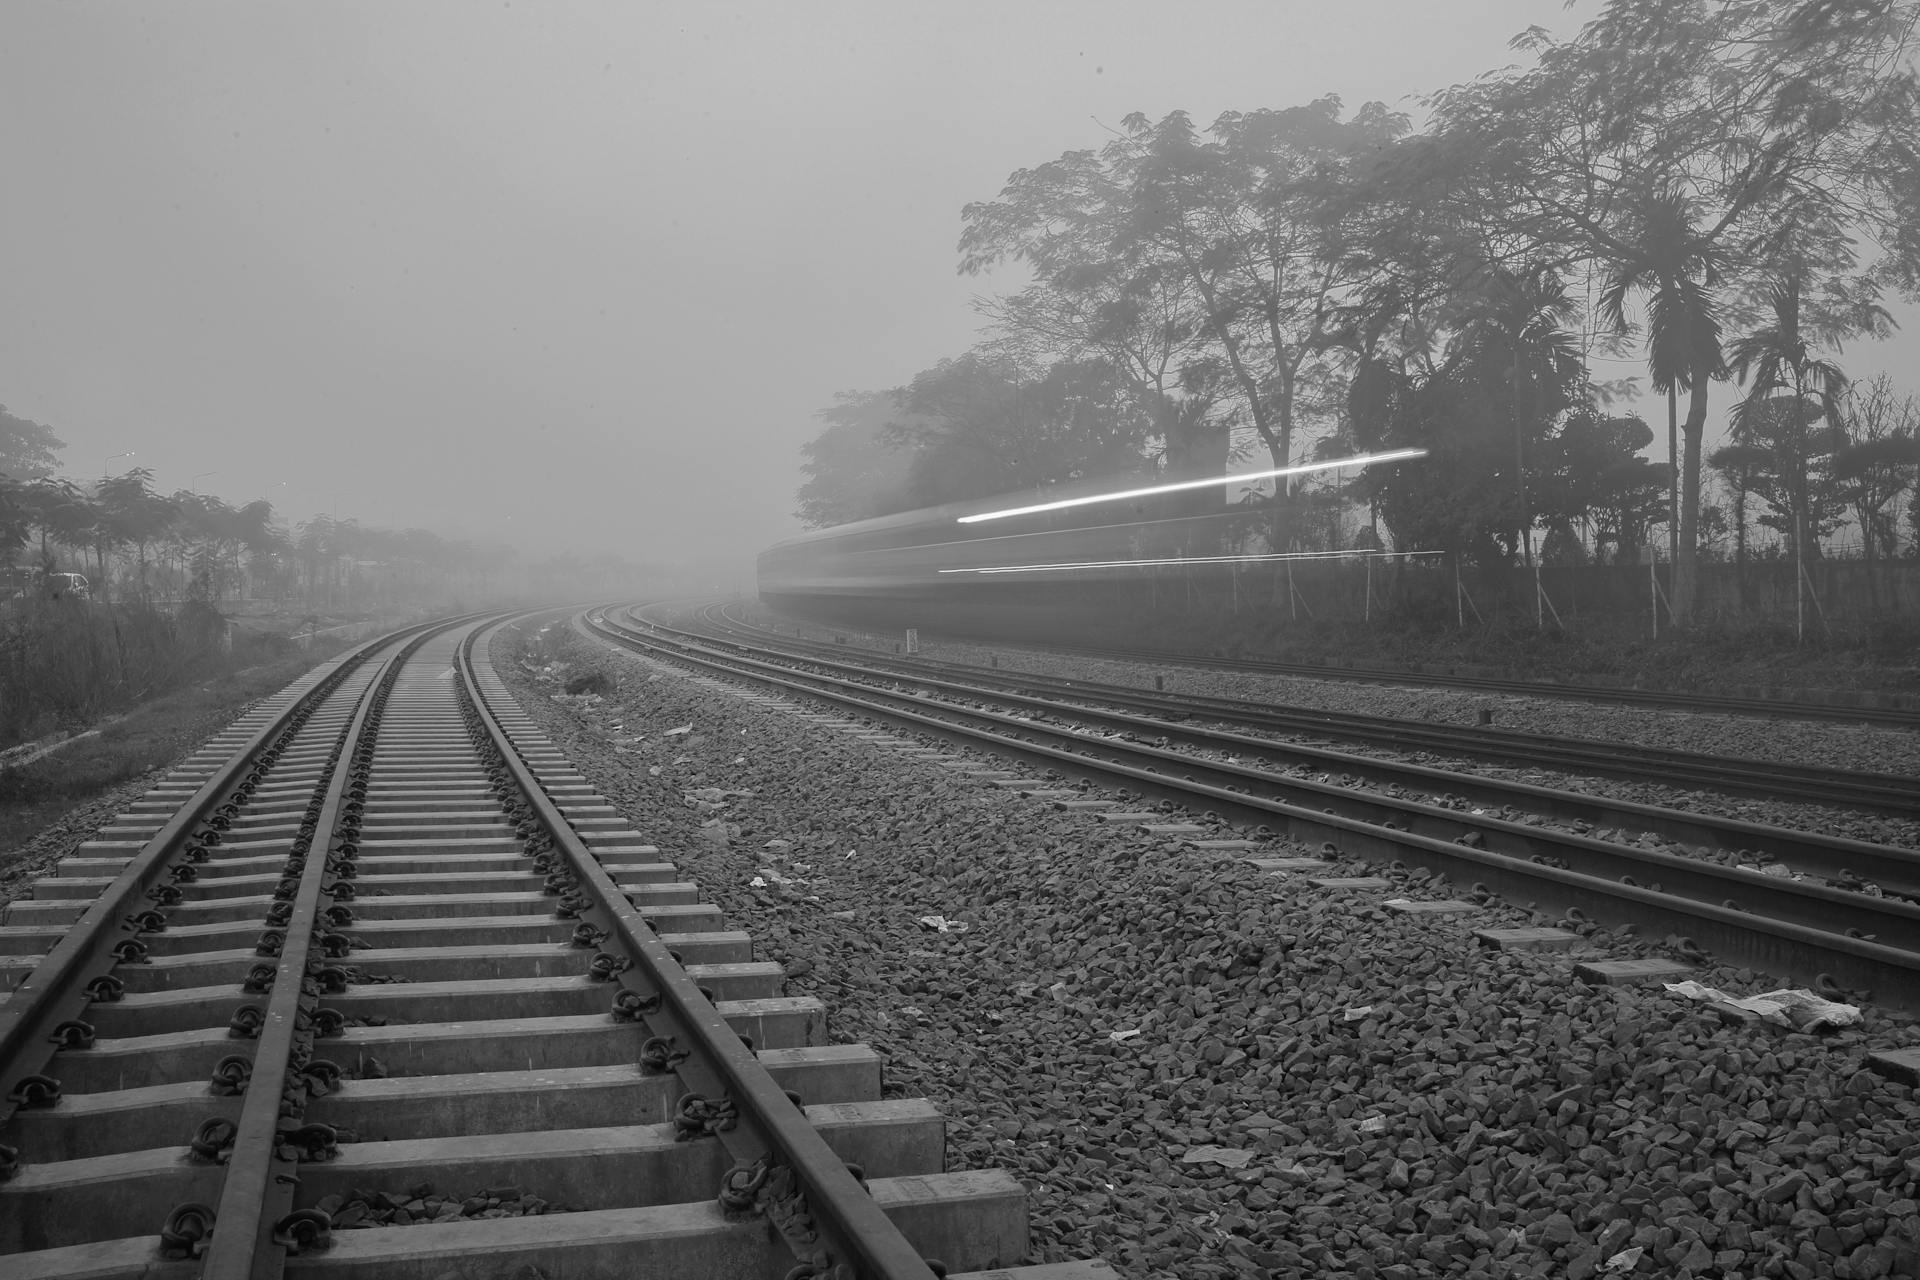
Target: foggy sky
572 275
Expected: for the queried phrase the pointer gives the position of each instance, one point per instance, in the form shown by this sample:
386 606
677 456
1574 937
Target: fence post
1659 596
1799 597
1540 597
1808 583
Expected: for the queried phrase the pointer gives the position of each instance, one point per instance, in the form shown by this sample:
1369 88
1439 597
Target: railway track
1905 716
376 986
1273 1075
1730 775
1813 933
1162 721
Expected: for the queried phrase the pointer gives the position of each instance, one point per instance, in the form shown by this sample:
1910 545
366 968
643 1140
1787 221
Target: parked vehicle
55 586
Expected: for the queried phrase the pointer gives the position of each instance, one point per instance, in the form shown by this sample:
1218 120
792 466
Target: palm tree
133 515
1876 464
62 512
1668 259
16 516
1794 389
1741 466
1520 323
316 543
1791 383
254 533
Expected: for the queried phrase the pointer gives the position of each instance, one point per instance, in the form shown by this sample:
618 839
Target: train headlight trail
1147 564
1359 460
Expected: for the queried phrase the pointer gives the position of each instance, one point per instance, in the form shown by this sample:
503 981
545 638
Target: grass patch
1704 659
152 736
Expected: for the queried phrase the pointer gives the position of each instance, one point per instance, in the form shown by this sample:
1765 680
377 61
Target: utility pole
1673 471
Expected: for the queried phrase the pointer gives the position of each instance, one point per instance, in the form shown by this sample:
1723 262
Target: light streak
1269 558
1359 460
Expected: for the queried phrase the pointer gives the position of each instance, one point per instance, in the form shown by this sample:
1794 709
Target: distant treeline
1720 193
135 544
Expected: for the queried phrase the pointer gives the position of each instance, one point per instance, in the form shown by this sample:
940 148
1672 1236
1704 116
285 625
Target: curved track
377 987
1893 717
1730 775
1161 720
1807 931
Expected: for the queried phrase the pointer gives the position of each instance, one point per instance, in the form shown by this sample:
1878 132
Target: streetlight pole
107 466
193 485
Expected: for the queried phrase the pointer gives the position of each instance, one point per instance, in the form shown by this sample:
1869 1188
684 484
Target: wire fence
1821 594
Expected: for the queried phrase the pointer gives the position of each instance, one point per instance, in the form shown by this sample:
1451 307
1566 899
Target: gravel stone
1119 999
1838 745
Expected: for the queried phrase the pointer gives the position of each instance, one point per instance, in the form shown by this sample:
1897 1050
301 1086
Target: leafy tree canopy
28 450
854 469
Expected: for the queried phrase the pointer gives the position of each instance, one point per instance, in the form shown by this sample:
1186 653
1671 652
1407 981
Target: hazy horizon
571 275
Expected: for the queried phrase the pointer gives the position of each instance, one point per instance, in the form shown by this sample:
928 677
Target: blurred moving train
1081 555
933 547
947 568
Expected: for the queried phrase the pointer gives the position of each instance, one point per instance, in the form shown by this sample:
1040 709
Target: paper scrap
1799 1010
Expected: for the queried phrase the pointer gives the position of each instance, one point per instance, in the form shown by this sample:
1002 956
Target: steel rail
1738 775
1786 947
56 990
258 1190
722 1066
1768 708
1836 857
1814 904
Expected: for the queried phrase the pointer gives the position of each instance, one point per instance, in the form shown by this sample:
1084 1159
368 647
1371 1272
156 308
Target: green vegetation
137 545
1726 192
150 737
1705 658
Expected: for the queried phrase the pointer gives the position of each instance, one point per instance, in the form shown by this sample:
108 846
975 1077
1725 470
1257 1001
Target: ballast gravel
1820 819
1789 741
1858 747
1202 1071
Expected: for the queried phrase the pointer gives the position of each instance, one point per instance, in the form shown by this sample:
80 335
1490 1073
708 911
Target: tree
1741 467
1792 390
1519 323
1231 237
316 543
1591 471
28 450
1146 332
1780 460
1781 128
254 532
1101 289
854 470
61 514
1665 255
1246 216
1461 498
1878 461
981 426
131 514
16 515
